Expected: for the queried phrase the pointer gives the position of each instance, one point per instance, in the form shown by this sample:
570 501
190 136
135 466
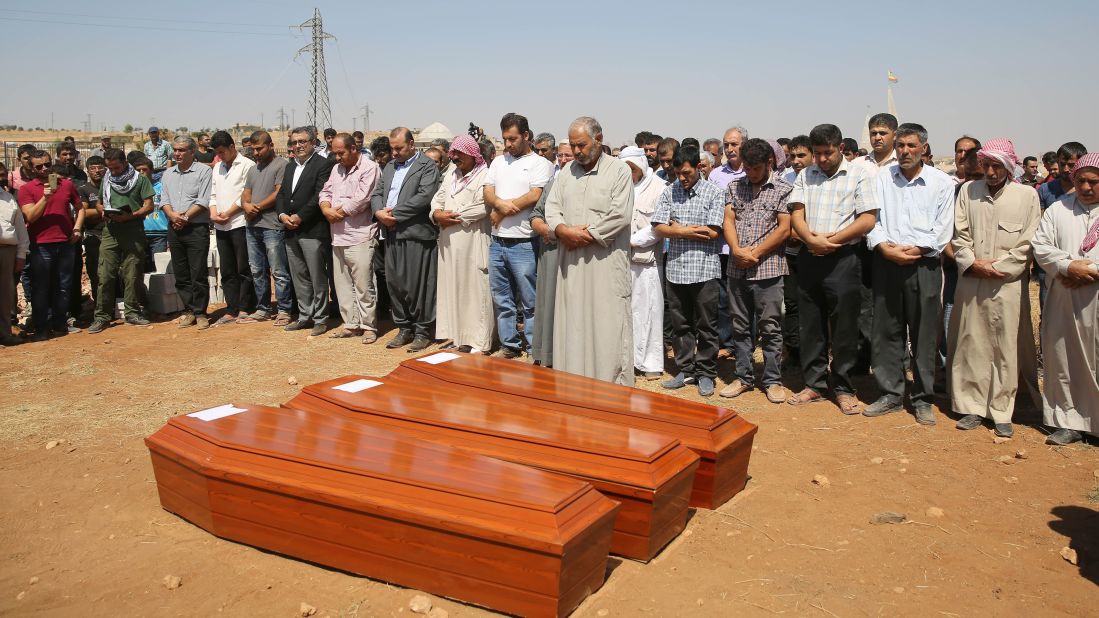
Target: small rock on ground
306 610
171 582
888 517
34 580
876 460
821 480
1069 554
1021 454
420 604
291 380
438 612
934 511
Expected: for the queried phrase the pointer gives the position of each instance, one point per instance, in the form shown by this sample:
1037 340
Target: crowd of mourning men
604 262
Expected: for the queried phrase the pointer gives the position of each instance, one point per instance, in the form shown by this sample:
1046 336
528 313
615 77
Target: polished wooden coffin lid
700 426
374 470
528 433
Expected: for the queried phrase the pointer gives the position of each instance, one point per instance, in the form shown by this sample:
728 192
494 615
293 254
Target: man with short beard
185 198
833 208
589 210
513 185
665 153
127 198
47 209
67 153
649 142
915 223
990 329
1066 245
401 203
308 239
266 237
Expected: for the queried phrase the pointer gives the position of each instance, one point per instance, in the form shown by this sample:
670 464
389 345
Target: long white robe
464 302
990 326
1070 319
592 323
648 294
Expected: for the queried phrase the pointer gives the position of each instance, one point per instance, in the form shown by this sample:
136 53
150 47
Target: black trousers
907 303
725 310
236 274
692 311
791 329
866 309
190 247
380 286
91 261
410 269
829 300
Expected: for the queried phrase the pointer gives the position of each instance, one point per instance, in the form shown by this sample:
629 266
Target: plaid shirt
832 202
757 218
689 260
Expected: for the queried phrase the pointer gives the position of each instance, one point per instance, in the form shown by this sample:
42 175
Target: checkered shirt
689 260
757 218
832 203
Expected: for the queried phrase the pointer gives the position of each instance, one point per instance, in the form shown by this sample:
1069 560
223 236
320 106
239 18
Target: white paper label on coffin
441 357
214 414
357 386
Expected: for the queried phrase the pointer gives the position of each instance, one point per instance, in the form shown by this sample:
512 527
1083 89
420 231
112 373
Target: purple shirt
723 175
349 190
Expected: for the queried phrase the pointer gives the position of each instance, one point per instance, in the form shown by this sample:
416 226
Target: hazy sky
1001 69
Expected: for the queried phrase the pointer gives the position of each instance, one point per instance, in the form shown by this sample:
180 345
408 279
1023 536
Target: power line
320 110
162 21
140 26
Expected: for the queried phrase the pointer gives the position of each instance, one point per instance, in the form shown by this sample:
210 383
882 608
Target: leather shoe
419 343
884 405
925 415
318 329
1064 437
705 386
403 338
679 381
735 388
1003 430
299 325
969 421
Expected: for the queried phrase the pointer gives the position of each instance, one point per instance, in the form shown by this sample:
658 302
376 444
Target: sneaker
1064 437
924 414
98 326
298 325
1003 430
969 421
186 320
507 352
884 405
137 320
319 329
679 381
202 322
403 338
419 343
705 386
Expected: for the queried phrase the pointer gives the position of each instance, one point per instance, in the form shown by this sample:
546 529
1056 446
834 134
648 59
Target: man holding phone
48 203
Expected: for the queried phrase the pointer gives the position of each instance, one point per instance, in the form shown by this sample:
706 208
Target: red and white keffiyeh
1001 150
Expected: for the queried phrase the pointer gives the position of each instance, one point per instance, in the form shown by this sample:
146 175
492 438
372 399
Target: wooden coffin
649 474
719 435
336 491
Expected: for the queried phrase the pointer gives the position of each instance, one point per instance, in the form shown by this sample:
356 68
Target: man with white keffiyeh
127 198
1066 246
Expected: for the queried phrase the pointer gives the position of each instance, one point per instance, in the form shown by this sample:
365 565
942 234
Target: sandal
346 333
807 395
849 404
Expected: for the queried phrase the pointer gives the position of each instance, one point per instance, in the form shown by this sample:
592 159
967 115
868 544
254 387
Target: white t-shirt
512 178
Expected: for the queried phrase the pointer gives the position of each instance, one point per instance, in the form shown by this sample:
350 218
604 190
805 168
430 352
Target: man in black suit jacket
308 237
402 203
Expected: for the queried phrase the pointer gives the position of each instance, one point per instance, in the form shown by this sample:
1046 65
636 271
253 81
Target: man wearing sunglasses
48 203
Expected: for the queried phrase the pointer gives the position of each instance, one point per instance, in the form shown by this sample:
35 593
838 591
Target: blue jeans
267 253
512 273
51 271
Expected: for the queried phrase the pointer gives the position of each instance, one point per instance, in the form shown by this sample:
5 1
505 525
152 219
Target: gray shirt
183 189
262 180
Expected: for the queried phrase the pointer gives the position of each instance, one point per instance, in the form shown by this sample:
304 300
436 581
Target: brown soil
83 518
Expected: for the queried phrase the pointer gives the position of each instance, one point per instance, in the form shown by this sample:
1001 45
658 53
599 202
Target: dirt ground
82 531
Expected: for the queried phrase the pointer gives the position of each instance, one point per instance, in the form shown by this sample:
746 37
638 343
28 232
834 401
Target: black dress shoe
419 343
402 339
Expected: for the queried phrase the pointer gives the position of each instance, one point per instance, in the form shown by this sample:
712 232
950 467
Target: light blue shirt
400 170
918 212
